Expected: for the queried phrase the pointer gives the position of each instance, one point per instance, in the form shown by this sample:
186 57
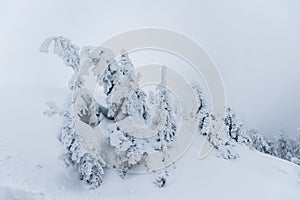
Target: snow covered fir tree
119 97
123 97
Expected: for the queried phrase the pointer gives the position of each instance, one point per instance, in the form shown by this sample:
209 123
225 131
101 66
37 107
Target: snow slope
30 167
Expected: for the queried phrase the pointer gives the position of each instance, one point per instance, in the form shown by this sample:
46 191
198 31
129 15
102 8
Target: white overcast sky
255 44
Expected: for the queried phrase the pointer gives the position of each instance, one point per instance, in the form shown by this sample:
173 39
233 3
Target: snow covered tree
227 149
235 129
64 48
296 148
90 166
259 142
282 146
124 95
221 142
233 133
203 115
124 99
69 53
77 152
272 147
167 114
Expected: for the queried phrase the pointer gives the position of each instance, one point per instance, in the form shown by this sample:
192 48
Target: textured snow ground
30 167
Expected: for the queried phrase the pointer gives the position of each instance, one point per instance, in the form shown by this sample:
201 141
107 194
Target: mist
255 44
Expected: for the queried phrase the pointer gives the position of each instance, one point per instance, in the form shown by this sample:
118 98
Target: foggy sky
254 43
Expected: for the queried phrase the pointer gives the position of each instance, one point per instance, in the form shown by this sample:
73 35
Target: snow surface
31 168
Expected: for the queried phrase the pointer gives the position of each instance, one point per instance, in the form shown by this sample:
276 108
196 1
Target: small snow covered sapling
161 177
203 115
167 113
